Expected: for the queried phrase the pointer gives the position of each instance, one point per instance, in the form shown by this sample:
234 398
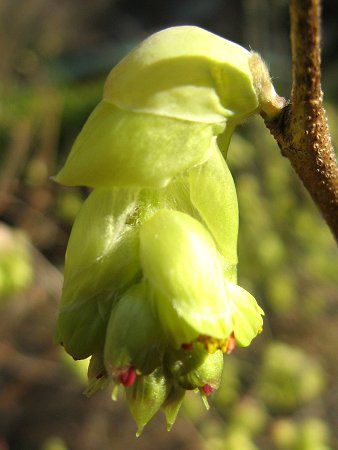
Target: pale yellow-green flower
150 289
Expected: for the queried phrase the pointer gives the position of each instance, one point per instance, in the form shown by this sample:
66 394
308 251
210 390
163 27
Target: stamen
128 377
187 346
207 389
231 344
212 344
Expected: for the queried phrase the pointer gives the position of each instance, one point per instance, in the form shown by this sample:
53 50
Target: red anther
187 346
207 389
99 375
128 377
231 344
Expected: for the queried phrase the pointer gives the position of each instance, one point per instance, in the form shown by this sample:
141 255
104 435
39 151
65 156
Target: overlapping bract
150 275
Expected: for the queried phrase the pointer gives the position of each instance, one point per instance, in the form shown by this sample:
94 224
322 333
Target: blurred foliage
310 434
289 378
54 443
280 394
15 266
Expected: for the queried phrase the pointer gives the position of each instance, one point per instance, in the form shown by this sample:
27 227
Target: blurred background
282 392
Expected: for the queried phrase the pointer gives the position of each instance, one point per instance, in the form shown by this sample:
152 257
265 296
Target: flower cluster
150 289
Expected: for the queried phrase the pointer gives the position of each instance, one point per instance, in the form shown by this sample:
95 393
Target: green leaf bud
146 397
102 258
184 72
182 265
124 148
246 314
133 336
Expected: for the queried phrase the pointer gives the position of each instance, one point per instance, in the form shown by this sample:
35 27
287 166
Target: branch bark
301 128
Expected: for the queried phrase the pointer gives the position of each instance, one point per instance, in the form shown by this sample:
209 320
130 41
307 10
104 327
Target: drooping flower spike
150 290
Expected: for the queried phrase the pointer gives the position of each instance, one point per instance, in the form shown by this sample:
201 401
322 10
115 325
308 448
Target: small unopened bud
172 405
146 397
133 337
195 368
208 373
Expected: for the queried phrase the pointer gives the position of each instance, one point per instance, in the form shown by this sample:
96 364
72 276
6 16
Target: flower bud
181 263
133 336
146 397
196 368
172 405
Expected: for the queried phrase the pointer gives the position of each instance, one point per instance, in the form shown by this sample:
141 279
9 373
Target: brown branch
301 128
